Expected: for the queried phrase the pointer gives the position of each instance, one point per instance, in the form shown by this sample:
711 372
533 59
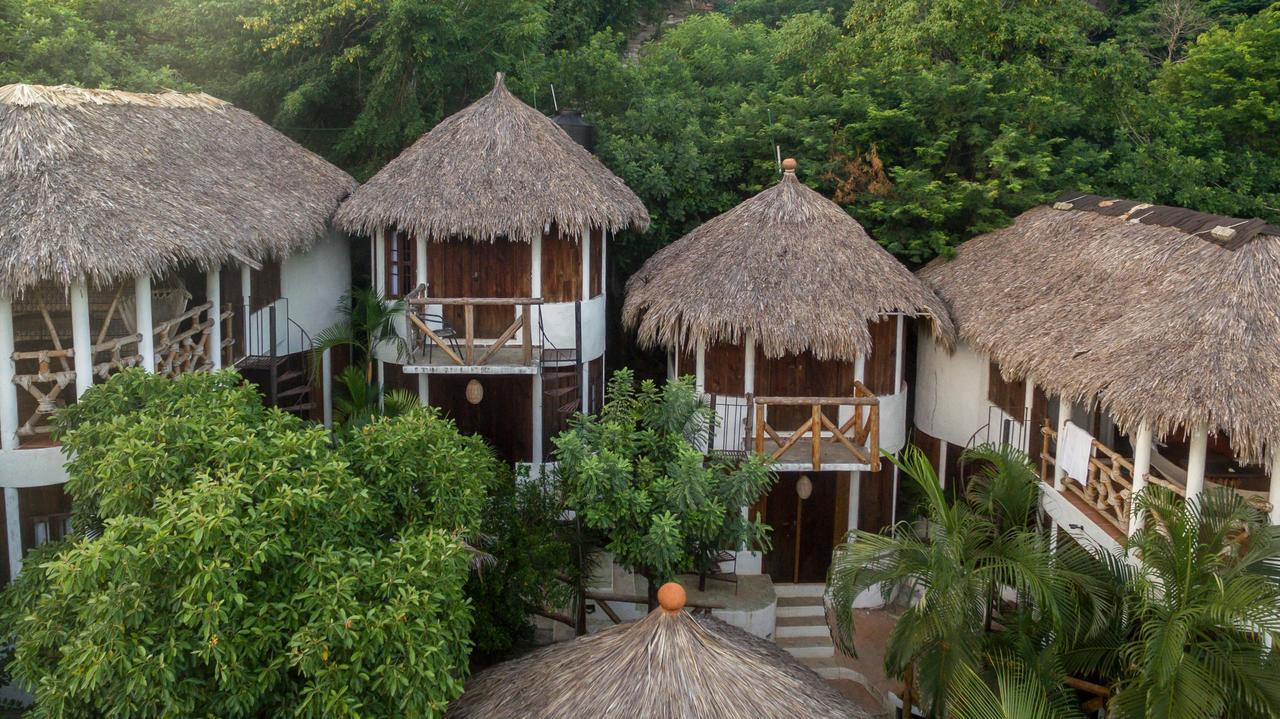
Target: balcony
445 336
1106 497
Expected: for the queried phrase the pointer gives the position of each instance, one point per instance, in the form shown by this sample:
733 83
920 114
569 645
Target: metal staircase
272 354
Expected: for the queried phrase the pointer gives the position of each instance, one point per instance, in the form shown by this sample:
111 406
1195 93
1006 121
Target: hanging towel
1075 446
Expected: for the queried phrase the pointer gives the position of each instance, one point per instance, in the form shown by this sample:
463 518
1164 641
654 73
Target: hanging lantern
804 486
475 391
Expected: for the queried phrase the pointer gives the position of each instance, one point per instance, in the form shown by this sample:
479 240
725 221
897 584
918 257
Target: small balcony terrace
460 335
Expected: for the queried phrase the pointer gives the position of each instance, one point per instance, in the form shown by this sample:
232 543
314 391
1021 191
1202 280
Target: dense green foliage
635 474
996 620
248 566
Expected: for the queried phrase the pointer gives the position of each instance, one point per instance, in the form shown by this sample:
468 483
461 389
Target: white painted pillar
424 390
1053 535
855 489
893 512
213 292
143 321
537 419
326 386
860 368
899 356
1064 415
1274 494
604 262
246 308
13 531
1141 466
586 265
8 390
81 337
942 464
700 369
749 365
535 264
420 258
379 264
1196 458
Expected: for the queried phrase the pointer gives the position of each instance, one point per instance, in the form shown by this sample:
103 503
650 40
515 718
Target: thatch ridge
1151 322
104 185
498 168
664 666
789 265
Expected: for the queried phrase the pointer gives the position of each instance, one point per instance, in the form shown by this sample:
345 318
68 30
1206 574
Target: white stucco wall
315 280
32 467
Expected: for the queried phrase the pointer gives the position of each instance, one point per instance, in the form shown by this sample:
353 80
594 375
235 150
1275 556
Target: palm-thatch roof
789 265
102 184
498 168
668 665
1148 310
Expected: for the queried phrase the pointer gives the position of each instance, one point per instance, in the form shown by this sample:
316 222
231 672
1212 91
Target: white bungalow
132 227
1154 331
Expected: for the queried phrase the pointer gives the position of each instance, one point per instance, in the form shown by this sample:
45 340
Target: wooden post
1196 456
759 410
144 323
469 322
873 447
213 292
526 330
81 339
1141 466
816 429
8 390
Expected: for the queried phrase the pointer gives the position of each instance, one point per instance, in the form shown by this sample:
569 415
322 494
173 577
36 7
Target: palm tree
956 566
367 322
1202 611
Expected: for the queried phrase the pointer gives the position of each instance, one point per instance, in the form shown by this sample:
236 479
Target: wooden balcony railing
184 344
1109 485
856 440
461 346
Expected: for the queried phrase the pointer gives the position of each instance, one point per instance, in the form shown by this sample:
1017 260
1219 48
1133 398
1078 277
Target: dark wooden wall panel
687 361
597 262
725 369
882 364
503 417
4 548
462 268
1009 396
875 499
561 268
35 503
595 384
801 376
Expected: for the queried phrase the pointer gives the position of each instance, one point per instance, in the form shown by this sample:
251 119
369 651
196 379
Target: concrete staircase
801 627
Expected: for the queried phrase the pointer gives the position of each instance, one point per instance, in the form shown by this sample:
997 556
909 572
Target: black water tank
582 132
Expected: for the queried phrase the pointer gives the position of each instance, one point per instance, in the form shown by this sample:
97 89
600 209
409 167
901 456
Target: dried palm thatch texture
790 266
665 666
498 168
102 185
1099 302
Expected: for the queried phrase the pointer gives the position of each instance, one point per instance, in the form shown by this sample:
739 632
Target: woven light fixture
475 391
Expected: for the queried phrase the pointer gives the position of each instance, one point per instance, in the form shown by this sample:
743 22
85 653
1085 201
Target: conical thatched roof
790 265
498 168
104 184
1144 307
669 665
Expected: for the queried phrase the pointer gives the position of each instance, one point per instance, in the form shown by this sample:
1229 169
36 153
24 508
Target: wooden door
810 523
462 268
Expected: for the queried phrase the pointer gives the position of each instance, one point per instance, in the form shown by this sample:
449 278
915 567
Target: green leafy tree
635 474
245 566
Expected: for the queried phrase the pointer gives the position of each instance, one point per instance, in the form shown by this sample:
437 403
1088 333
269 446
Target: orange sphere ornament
671 597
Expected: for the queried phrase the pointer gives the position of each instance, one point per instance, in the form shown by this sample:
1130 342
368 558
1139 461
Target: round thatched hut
668 665
133 229
1157 330
493 227
791 318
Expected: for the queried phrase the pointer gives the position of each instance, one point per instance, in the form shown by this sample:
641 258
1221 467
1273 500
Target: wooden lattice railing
46 385
1108 487
858 436
461 346
184 343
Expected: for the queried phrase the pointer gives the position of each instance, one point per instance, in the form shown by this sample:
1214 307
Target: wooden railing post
469 322
816 429
526 326
873 444
759 410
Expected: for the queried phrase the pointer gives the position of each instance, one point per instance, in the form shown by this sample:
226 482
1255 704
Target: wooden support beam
502 341
469 324
422 327
815 424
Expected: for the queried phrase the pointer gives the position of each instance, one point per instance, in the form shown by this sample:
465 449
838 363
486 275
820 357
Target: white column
1141 466
604 262
13 531
326 386
535 264
899 356
246 307
8 390
1274 495
855 489
1030 431
1064 414
420 258
1053 535
749 365
537 419
146 328
213 292
81 337
586 265
700 369
860 368
1195 459
379 263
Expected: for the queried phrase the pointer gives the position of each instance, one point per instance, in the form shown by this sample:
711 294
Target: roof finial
499 80
671 597
789 166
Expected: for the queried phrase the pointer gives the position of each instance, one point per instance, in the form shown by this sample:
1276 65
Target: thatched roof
103 184
498 168
668 665
1148 309
788 264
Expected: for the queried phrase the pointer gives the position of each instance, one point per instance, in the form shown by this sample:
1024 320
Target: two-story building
493 228
157 231
791 319
1153 330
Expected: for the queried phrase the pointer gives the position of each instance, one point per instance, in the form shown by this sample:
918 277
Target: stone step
799 590
784 601
802 630
806 610
810 620
807 647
